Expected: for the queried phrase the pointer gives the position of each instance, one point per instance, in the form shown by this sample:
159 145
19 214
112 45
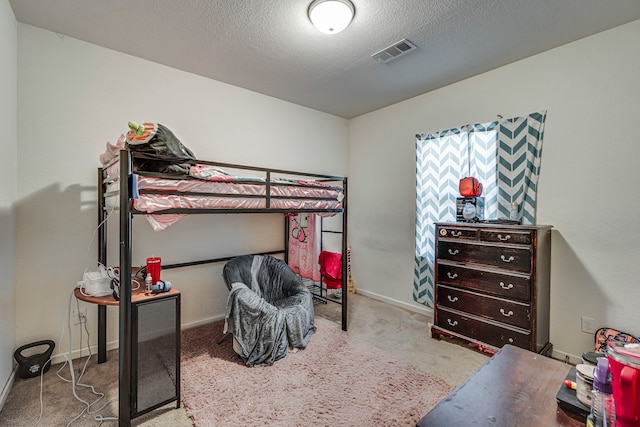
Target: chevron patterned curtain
504 156
519 154
443 158
483 147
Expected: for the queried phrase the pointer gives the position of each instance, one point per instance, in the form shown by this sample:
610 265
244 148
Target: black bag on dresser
156 140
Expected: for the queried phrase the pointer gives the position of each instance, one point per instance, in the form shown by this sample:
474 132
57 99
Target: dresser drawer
458 233
483 331
502 256
504 311
506 236
511 286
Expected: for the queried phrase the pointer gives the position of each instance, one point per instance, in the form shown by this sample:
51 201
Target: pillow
158 141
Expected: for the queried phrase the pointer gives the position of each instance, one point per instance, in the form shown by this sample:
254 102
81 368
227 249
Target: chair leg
224 337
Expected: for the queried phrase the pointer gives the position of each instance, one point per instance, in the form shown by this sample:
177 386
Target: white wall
73 97
8 189
587 186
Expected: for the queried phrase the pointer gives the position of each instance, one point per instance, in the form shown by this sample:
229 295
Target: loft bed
163 199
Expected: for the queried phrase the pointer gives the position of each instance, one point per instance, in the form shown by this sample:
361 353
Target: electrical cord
76 382
42 375
41 388
93 235
114 274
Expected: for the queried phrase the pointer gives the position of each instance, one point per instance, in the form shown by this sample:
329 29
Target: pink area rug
336 381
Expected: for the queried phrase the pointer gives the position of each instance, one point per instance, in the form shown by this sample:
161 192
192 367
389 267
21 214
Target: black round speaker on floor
32 366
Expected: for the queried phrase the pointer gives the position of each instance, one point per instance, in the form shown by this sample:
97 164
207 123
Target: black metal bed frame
126 211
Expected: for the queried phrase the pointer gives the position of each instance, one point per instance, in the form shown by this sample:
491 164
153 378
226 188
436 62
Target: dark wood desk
515 387
137 296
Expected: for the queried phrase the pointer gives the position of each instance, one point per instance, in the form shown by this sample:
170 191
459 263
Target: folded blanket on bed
157 140
112 150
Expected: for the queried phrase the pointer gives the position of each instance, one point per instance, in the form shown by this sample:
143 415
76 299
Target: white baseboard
422 309
415 307
566 357
75 354
111 345
202 322
7 387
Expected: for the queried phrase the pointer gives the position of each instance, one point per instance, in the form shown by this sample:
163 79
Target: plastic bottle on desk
603 410
148 281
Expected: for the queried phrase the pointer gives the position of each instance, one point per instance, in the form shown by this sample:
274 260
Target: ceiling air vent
394 51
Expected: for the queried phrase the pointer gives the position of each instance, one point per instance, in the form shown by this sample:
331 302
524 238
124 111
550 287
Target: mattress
210 187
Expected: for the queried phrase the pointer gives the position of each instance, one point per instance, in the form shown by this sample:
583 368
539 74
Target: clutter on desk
584 383
160 287
567 398
624 363
591 357
96 283
607 382
603 409
154 268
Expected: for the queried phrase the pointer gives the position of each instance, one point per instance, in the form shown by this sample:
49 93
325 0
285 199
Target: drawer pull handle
456 233
453 252
509 314
452 322
452 299
452 276
505 238
505 259
503 286
511 340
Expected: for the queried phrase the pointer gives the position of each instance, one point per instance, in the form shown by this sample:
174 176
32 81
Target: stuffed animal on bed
158 141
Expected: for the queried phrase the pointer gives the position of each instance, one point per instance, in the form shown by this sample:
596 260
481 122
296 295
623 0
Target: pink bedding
221 190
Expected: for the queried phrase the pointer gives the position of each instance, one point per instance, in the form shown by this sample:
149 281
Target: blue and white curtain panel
505 157
519 154
439 159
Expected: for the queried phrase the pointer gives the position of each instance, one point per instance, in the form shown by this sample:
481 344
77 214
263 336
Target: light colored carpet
336 380
395 331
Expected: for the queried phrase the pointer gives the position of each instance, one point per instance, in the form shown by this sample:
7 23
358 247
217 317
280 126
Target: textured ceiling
271 47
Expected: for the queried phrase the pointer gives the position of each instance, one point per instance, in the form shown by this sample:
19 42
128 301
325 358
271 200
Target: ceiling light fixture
331 16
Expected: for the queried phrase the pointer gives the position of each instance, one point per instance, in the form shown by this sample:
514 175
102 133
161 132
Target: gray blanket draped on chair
269 309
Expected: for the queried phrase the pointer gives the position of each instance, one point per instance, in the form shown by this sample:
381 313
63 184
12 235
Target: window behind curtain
442 158
504 155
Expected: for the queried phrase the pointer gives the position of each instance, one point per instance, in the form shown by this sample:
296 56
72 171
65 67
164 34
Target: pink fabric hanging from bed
304 247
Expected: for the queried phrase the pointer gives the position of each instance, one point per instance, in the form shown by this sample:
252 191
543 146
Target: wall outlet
79 316
588 325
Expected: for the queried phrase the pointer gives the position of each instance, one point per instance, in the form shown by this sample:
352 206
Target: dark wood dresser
492 284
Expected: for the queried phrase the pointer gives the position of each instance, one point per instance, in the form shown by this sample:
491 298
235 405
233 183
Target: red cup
153 268
625 367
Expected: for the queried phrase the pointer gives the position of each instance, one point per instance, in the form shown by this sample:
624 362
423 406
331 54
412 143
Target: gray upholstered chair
269 309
